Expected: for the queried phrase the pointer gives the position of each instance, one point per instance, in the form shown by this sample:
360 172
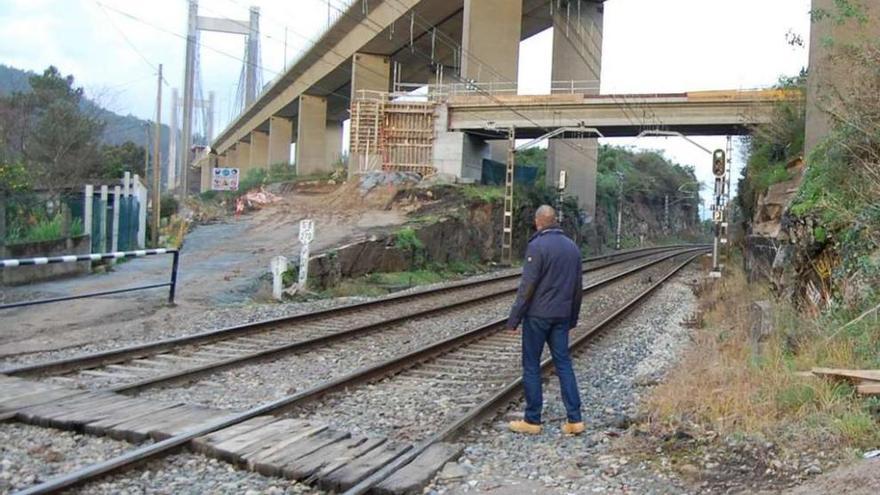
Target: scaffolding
392 134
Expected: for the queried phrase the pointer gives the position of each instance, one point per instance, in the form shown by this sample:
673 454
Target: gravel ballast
395 408
186 473
31 454
610 371
245 386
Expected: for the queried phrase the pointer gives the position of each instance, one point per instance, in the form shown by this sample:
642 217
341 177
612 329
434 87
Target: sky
113 48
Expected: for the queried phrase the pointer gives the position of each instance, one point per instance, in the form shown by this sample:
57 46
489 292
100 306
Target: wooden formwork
394 135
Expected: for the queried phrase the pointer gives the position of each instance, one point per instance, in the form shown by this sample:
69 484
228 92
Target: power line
209 47
129 42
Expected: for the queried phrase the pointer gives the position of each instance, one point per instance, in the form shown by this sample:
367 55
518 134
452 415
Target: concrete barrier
37 273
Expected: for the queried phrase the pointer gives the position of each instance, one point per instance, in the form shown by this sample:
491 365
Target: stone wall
30 274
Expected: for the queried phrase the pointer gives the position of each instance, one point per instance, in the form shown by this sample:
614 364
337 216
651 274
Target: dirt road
220 265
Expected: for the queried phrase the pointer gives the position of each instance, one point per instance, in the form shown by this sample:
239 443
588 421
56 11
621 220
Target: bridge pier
370 72
490 39
829 73
577 56
280 137
243 157
259 150
333 131
311 136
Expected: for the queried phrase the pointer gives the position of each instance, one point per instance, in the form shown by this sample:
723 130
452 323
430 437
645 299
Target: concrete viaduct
475 41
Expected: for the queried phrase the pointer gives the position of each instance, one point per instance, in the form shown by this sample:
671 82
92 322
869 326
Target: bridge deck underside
714 113
333 63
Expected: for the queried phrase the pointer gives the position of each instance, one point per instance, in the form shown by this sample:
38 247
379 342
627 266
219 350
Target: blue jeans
536 332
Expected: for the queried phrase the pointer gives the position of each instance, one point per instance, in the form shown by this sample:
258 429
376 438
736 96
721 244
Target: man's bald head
545 216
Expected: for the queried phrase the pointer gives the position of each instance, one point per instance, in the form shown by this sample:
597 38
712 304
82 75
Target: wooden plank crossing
298 449
17 393
302 450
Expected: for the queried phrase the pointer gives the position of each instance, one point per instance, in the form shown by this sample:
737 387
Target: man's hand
512 330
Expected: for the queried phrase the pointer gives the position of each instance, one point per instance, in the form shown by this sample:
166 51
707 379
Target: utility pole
157 162
619 209
172 141
189 82
666 212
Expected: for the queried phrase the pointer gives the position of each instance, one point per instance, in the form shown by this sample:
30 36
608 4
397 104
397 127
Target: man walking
548 303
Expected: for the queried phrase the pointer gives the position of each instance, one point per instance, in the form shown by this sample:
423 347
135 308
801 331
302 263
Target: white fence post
278 267
126 185
104 198
87 214
114 242
141 192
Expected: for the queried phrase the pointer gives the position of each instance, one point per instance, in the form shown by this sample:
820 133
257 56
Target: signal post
719 169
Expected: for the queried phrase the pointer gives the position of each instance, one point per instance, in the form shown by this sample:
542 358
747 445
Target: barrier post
173 287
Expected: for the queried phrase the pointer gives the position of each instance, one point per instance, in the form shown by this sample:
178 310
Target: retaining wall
472 235
29 274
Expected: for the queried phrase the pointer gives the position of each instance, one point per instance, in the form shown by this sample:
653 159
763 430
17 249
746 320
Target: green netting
493 174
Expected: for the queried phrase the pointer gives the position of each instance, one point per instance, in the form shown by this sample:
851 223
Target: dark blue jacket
551 284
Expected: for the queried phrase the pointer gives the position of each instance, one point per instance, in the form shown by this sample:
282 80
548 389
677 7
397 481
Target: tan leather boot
573 428
521 426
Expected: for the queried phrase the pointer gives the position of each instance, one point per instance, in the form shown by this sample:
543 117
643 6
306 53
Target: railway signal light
719 163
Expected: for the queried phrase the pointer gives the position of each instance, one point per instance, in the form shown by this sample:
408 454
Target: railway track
271 439
140 367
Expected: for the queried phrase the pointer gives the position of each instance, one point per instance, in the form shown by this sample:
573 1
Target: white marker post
278 267
306 234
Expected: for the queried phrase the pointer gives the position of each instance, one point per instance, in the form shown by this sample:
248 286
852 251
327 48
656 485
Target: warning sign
225 179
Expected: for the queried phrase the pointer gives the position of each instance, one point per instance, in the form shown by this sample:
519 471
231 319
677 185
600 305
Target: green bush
47 230
406 238
486 194
281 172
795 397
169 206
771 146
253 179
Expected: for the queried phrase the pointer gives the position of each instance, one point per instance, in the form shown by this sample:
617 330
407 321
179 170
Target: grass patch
46 230
722 384
380 284
485 194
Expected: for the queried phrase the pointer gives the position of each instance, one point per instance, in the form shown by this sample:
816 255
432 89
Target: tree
50 133
116 160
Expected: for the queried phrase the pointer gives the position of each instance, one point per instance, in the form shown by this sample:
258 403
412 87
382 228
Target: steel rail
501 398
114 356
365 374
277 351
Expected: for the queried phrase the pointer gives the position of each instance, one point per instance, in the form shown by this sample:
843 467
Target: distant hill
119 128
